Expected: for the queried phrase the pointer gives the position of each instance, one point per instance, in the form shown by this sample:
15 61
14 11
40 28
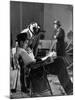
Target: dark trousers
58 68
22 79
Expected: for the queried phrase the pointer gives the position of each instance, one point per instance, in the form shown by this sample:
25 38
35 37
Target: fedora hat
57 22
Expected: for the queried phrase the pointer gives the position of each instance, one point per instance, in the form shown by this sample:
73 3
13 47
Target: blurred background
23 13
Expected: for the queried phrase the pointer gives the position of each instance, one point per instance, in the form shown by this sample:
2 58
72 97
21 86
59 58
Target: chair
39 83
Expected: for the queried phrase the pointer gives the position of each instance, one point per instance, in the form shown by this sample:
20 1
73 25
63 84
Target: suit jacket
60 45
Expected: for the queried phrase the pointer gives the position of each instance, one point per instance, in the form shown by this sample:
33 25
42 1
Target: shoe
70 92
25 90
13 90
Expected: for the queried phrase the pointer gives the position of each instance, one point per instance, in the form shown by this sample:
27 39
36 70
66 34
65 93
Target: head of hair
21 37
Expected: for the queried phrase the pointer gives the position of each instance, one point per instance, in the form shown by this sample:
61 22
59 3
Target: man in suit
59 36
58 67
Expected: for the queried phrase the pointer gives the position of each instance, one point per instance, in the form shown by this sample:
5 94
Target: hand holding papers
49 57
50 54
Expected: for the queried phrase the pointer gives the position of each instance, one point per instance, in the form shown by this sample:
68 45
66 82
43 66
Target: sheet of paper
50 54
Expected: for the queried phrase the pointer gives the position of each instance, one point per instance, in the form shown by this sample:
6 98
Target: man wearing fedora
58 67
59 62
59 36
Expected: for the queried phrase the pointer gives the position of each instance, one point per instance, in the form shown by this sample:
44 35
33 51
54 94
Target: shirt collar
58 29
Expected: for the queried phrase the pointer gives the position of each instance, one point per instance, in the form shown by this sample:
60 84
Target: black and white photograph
41 49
